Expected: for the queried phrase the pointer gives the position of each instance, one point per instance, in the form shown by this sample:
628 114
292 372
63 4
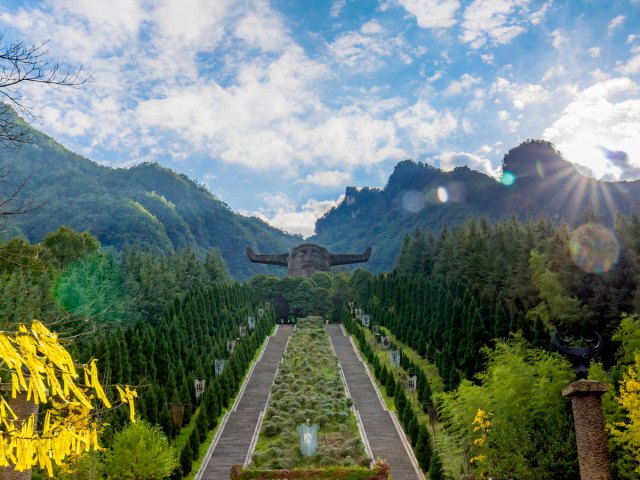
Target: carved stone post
591 437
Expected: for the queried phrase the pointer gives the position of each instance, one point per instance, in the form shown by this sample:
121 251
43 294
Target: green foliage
65 245
305 301
93 286
628 334
140 452
529 434
216 268
380 471
556 310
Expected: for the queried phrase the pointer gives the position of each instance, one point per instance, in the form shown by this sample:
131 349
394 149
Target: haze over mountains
149 204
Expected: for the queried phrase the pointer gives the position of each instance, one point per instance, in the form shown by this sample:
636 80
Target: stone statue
580 357
308 258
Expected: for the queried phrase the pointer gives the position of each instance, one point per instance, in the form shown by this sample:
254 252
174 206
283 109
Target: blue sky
278 105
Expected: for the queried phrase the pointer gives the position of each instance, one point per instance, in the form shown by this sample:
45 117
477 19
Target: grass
308 387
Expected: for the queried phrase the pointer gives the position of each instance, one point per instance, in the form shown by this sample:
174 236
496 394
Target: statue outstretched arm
347 258
280 259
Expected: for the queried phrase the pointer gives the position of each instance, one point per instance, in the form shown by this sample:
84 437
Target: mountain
146 204
537 182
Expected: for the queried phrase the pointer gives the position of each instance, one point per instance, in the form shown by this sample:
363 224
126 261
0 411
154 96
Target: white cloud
536 17
520 94
633 65
336 7
264 30
432 13
554 72
424 125
616 22
497 21
488 58
456 87
331 178
450 160
283 213
559 39
594 52
363 50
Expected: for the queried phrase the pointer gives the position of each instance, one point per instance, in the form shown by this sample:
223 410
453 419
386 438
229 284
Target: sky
276 106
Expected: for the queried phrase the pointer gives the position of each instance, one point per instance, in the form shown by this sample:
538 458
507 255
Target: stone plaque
219 366
199 386
395 358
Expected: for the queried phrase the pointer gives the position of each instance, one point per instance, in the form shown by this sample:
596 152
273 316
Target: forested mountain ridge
538 182
145 204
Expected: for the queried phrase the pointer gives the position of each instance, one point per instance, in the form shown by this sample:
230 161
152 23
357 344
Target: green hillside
146 204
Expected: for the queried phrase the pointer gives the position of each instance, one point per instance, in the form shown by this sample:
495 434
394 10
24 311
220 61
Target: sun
587 150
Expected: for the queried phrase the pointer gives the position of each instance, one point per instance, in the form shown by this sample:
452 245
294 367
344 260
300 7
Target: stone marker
591 437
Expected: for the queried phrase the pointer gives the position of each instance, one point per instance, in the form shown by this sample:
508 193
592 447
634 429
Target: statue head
308 258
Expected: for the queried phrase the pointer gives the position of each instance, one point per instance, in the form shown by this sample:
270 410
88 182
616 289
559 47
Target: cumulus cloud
432 13
465 83
363 50
520 94
632 66
451 160
557 71
616 22
424 125
283 213
559 39
336 7
331 178
594 52
497 21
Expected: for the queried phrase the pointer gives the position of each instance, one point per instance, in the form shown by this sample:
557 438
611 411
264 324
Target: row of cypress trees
165 358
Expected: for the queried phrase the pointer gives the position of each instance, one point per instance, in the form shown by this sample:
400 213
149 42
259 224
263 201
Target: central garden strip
308 388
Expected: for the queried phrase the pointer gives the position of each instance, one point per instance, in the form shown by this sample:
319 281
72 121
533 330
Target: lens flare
413 201
456 192
594 248
508 178
443 195
540 169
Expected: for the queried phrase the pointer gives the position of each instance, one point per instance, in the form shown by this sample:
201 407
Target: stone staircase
233 442
385 440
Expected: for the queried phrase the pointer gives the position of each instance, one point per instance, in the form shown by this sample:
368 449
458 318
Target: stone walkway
379 427
235 438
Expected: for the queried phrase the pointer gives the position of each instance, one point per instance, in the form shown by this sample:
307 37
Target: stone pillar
23 409
591 436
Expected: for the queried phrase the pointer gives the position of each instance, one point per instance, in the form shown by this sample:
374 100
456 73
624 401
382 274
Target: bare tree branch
22 64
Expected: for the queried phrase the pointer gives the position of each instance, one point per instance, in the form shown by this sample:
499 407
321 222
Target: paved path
383 437
235 439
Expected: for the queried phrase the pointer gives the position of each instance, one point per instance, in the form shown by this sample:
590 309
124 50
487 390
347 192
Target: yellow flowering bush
627 433
41 369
